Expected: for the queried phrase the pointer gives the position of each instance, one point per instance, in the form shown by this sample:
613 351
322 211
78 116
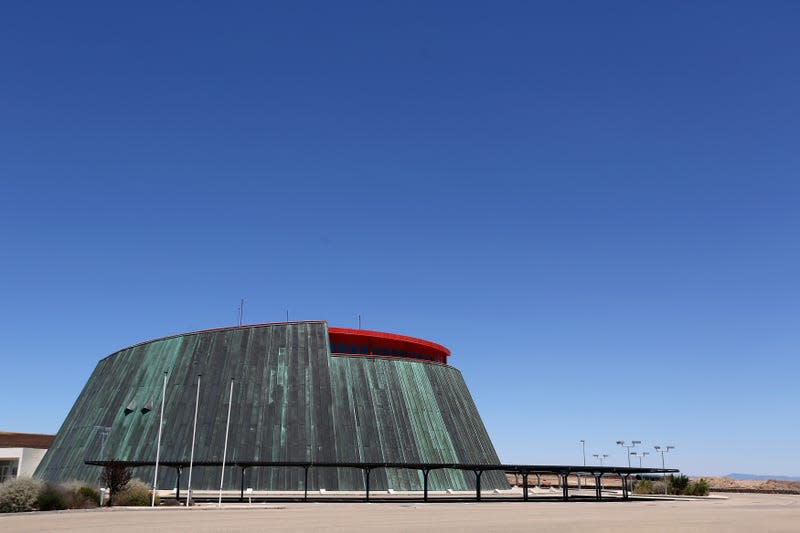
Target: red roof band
365 342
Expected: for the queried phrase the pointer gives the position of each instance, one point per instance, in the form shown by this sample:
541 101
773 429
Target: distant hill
761 477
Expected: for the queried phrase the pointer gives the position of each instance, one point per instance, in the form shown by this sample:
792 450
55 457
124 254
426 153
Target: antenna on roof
359 321
241 311
287 315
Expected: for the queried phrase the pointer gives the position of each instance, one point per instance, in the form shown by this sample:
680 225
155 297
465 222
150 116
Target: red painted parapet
364 342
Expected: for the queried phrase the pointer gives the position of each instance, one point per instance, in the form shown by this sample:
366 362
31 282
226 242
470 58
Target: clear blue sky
594 205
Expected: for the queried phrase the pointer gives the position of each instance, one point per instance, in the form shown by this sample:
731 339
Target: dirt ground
723 484
732 513
771 485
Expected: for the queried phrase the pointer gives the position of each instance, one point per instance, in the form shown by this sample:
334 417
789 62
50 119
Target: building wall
31 457
292 401
27 459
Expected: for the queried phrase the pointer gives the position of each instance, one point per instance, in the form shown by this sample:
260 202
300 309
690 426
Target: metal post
425 472
662 451
598 486
366 474
105 431
158 445
178 484
241 493
225 448
305 483
628 448
565 486
194 432
525 486
478 474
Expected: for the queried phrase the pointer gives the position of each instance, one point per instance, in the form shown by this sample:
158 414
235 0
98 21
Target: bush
136 493
81 495
53 498
85 497
19 494
697 488
678 484
645 486
115 476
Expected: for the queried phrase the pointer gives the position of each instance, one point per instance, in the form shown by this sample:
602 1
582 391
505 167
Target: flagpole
194 432
225 449
158 445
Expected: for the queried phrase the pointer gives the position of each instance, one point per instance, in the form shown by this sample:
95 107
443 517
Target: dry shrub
81 495
136 493
19 494
53 498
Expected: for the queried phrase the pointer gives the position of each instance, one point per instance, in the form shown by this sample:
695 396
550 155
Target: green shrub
136 493
81 495
53 498
644 486
697 488
19 494
85 497
678 484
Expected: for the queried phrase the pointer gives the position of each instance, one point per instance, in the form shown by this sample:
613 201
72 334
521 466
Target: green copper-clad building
302 391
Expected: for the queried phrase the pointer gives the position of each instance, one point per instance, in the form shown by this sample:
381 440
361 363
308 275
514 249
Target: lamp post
628 447
663 450
600 457
583 450
640 455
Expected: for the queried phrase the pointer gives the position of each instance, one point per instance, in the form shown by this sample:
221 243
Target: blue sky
594 206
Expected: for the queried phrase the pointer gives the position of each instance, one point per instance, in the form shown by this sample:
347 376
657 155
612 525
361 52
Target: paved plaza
735 512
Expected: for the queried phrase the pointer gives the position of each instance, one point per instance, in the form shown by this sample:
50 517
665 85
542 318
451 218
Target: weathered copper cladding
293 400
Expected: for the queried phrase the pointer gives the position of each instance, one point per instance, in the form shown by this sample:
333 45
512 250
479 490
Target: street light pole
640 455
600 457
583 450
662 451
628 447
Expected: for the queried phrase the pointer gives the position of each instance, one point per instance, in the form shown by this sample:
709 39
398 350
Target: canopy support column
305 483
178 483
525 486
241 493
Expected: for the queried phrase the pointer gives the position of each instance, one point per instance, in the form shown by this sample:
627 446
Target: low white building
20 453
